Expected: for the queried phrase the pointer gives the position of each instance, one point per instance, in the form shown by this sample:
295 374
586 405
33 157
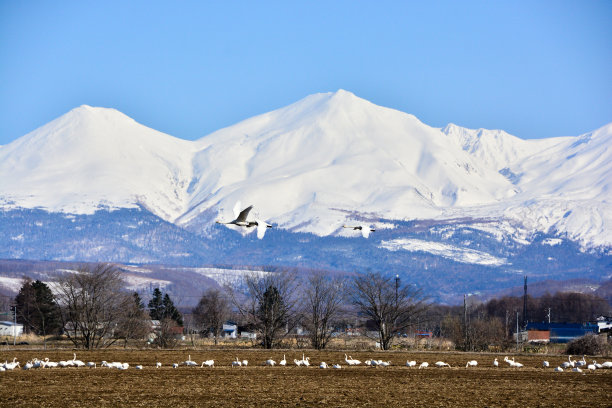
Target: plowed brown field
256 385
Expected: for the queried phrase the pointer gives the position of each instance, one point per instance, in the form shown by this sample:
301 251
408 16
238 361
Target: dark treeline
94 309
477 326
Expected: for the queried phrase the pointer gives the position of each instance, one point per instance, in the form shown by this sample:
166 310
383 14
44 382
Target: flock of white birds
578 366
241 220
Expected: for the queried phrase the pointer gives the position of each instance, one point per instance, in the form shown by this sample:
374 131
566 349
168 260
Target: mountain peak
309 166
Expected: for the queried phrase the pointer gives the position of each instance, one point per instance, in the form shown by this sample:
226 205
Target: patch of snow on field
12 284
463 255
231 277
137 269
138 282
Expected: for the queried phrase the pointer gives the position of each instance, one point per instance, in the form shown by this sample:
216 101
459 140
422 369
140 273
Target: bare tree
166 336
270 305
322 304
211 312
135 322
391 307
92 302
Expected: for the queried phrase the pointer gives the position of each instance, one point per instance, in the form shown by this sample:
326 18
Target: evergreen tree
170 311
37 309
156 305
161 307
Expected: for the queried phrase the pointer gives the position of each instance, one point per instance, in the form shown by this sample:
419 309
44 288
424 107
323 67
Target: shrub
590 344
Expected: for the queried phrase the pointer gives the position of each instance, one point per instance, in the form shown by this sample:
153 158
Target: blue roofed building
560 332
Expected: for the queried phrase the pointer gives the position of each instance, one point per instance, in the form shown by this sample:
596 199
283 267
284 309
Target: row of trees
273 304
91 308
478 326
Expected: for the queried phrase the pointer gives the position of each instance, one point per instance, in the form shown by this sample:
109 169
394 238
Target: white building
230 330
604 324
10 329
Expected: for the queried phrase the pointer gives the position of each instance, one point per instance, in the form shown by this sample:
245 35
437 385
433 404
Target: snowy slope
96 157
325 160
310 164
496 148
568 188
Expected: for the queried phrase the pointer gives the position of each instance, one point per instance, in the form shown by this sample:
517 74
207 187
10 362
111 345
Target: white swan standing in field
337 366
77 363
581 363
138 367
384 363
270 362
158 364
545 364
411 363
569 363
245 363
577 369
189 362
236 363
208 363
50 364
175 365
558 370
350 361
13 365
323 364
65 363
283 362
441 364
471 363
495 363
424 364
297 362
91 364
365 229
512 363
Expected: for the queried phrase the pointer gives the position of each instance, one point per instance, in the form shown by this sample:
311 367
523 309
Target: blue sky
535 69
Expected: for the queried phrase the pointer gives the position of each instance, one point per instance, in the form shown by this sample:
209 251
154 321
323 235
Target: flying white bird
365 229
242 221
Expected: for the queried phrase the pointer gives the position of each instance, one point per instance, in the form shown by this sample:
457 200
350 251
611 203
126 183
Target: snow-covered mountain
91 158
325 160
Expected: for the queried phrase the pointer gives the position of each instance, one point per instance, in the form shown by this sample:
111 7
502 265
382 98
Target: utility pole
548 315
396 288
14 309
525 304
465 328
517 330
396 310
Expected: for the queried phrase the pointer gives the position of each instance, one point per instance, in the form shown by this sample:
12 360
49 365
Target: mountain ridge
327 159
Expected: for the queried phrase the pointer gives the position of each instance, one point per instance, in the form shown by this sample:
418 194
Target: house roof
7 323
